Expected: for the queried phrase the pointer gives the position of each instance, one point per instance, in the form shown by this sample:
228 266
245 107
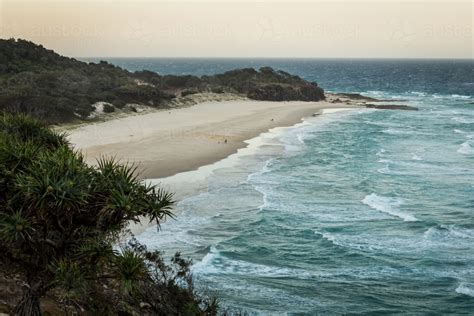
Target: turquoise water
361 211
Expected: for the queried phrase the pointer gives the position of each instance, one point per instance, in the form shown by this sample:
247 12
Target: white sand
165 143
178 149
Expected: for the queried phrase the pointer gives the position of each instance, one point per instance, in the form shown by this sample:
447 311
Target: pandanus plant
59 217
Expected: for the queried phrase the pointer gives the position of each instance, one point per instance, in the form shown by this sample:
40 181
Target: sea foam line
466 289
388 205
465 149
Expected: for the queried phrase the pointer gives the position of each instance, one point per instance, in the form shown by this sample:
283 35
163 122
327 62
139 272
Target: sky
303 29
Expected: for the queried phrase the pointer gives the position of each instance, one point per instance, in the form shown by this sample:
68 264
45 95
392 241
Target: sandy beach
165 143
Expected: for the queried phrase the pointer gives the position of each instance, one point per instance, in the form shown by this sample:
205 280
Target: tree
59 220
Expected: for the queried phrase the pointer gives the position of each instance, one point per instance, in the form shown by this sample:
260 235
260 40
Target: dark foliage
59 218
39 82
56 89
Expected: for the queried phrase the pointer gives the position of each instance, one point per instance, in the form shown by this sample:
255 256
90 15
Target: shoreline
192 177
188 176
165 143
190 183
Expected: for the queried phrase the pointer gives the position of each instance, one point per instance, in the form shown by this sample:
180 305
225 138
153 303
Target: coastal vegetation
58 89
60 222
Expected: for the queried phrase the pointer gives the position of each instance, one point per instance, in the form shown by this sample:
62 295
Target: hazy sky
414 29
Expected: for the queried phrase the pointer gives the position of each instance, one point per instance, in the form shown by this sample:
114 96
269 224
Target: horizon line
340 58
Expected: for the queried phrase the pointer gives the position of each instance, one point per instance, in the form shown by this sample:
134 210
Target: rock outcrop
391 107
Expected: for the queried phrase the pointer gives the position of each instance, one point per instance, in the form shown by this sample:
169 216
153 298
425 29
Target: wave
352 244
301 138
216 263
328 237
384 170
451 96
463 120
466 289
448 231
418 93
416 157
265 169
465 149
459 96
393 131
381 152
265 203
388 205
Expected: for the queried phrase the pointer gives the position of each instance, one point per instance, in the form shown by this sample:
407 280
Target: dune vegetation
60 223
58 89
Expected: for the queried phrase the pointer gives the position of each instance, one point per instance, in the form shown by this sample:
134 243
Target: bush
109 108
41 83
188 92
218 90
59 220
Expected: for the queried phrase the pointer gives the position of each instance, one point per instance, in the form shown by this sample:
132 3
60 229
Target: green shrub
57 89
59 220
109 108
217 90
188 92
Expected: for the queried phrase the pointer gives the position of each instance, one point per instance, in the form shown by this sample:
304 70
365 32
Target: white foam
300 138
451 96
206 261
215 263
384 170
329 237
440 232
466 289
460 96
392 131
416 157
194 182
381 152
266 168
328 111
465 149
265 204
388 205
463 120
418 93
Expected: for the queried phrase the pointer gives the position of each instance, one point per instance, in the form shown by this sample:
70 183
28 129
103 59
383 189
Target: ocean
354 212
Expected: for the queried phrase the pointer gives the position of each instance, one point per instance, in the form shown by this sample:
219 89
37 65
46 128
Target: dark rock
391 107
357 96
393 100
360 97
